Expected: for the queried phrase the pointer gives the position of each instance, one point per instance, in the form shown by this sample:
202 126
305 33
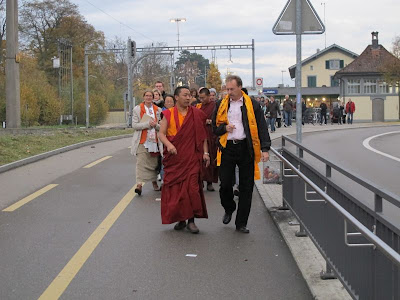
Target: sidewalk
306 255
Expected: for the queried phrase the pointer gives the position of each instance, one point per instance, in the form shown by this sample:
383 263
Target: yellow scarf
222 118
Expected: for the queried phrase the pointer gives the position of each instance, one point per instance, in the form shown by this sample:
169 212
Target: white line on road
367 145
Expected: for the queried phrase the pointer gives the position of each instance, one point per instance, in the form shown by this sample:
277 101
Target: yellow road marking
64 278
97 162
30 197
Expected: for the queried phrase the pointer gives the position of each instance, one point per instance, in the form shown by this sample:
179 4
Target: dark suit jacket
263 134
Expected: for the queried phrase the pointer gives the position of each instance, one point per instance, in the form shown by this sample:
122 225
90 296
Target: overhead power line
123 24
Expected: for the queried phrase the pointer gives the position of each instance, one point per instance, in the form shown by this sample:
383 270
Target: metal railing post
328 273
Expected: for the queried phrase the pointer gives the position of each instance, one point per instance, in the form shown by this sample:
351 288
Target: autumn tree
392 68
214 78
191 68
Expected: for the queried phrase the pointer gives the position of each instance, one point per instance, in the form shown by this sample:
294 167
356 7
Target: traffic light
133 48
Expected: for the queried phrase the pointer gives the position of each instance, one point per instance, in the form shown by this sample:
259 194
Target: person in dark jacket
273 109
288 111
324 109
303 110
243 140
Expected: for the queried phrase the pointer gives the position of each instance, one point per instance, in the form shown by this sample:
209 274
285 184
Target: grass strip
16 147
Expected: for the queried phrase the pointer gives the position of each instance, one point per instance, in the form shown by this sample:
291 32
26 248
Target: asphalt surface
138 258
345 149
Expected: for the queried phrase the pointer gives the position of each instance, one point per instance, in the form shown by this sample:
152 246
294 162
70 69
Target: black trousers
232 155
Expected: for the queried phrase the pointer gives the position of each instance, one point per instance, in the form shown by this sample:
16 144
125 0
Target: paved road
87 233
345 148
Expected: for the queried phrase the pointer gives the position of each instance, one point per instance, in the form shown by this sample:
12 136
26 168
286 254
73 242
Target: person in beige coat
145 143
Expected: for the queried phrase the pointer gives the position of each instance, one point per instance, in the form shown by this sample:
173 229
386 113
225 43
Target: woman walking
145 143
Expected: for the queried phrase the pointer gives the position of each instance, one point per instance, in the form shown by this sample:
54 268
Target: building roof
292 69
370 61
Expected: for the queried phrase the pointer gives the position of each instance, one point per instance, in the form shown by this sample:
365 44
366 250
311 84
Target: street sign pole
305 19
298 73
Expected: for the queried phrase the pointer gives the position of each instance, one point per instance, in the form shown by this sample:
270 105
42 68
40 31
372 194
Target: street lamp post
283 71
177 20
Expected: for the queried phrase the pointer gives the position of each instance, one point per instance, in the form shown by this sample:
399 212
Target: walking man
324 109
350 109
273 109
240 125
288 110
210 173
183 133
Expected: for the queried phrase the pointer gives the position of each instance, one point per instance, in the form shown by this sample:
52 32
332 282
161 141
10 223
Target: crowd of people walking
191 140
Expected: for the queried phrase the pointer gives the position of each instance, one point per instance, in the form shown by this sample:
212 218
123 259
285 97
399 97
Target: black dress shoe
138 189
180 225
242 229
227 218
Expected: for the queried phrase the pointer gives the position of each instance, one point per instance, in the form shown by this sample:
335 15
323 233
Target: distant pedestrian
303 110
273 109
195 97
158 98
159 85
324 109
341 114
243 142
210 173
350 109
145 144
169 102
288 111
213 94
184 136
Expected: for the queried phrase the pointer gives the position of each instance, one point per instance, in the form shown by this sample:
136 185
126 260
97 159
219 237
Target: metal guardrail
358 244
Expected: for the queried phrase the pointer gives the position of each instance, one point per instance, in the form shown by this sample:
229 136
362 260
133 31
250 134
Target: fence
360 246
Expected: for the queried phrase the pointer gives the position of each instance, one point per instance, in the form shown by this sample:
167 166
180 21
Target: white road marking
191 255
367 145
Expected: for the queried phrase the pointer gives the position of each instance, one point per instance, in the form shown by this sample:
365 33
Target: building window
353 86
334 64
311 68
369 86
334 82
312 81
384 88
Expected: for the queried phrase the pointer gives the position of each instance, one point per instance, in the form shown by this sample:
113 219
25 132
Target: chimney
318 50
375 43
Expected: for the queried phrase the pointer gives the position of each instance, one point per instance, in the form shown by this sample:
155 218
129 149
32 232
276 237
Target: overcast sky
349 23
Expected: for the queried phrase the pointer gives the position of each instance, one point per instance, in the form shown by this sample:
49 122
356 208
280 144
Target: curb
41 156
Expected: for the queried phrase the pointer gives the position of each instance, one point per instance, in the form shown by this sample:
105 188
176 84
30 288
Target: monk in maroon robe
183 133
210 173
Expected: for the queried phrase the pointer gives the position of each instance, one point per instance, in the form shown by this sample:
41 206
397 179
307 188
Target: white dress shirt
235 118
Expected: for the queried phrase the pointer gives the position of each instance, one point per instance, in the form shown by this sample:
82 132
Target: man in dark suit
244 140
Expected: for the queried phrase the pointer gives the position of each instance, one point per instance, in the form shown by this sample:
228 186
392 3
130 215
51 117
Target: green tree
214 78
189 65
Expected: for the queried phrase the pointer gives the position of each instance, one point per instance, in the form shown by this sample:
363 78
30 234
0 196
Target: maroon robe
182 194
210 174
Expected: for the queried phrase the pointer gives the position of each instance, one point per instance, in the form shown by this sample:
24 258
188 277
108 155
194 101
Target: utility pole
130 80
13 111
324 4
253 63
87 86
299 128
